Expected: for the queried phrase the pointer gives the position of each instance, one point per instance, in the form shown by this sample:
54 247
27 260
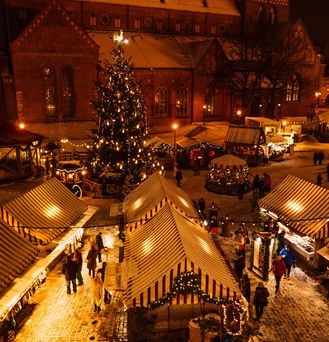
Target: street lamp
284 124
204 114
174 126
317 96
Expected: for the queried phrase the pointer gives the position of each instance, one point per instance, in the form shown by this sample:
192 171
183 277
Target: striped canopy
148 197
43 213
16 254
300 205
164 247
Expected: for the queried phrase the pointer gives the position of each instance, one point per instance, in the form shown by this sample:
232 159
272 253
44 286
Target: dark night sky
315 14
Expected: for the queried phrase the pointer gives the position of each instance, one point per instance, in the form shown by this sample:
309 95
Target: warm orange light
21 125
175 126
239 112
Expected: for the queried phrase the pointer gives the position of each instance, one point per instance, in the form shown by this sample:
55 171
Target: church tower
264 12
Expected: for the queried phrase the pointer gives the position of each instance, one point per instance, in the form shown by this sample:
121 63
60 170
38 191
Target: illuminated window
49 88
273 16
137 23
159 25
213 29
117 22
177 26
210 101
92 20
161 103
181 102
68 91
293 90
197 28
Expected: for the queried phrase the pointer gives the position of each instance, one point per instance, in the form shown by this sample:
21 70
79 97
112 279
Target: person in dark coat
100 245
315 158
202 205
245 287
47 165
239 266
107 295
260 299
320 157
53 164
289 259
178 177
69 269
92 261
77 258
279 269
281 242
261 187
319 180
256 182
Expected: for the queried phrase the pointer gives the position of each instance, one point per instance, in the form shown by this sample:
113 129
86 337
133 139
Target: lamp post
174 126
317 96
204 114
239 114
284 124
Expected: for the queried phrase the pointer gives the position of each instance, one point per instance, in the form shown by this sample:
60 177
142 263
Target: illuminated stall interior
301 209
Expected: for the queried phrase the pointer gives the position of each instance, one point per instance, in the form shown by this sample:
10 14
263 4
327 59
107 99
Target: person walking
239 266
100 245
279 269
245 287
319 179
107 296
239 243
92 261
289 259
315 158
255 198
69 269
202 205
196 166
281 242
256 181
98 292
77 258
53 164
260 300
47 165
320 157
268 182
179 177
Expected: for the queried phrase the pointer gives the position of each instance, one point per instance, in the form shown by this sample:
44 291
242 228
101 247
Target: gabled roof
166 244
155 51
301 205
11 135
245 135
154 190
225 7
48 33
44 212
16 254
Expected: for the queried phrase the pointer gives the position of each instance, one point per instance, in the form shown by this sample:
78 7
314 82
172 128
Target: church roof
154 51
225 7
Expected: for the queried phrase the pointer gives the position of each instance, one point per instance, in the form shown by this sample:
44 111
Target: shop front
300 208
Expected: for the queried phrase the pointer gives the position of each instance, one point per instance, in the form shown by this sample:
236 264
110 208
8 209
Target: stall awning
228 161
166 246
301 205
324 252
243 135
44 212
154 192
16 254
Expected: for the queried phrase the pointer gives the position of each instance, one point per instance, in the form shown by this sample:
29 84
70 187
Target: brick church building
190 58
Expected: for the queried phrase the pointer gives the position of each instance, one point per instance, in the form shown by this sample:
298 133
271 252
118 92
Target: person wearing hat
279 269
260 299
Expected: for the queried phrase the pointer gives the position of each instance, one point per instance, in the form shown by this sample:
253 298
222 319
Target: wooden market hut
164 248
245 142
301 209
43 213
19 151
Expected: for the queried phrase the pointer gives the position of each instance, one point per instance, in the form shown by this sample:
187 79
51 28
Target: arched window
197 28
92 20
159 25
117 22
177 26
161 103
210 101
181 102
261 15
137 23
68 91
273 15
49 91
293 90
213 29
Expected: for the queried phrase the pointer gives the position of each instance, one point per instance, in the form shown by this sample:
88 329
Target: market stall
276 145
301 209
227 174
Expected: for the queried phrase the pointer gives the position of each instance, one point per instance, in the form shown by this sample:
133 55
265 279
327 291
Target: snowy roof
154 51
226 7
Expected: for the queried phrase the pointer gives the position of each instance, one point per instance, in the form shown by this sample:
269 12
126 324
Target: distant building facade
187 58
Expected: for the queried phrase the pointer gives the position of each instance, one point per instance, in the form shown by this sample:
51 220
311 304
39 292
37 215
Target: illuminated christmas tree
120 139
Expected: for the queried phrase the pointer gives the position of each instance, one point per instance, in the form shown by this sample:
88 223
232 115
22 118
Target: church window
273 16
159 25
92 20
293 90
177 26
137 23
181 102
261 15
68 91
161 105
49 91
197 28
213 29
117 22
210 101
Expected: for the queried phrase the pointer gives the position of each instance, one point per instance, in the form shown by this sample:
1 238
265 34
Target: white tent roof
228 160
301 205
155 190
166 246
275 139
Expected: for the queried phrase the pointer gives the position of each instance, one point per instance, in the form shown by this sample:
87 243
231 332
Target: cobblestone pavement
298 313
